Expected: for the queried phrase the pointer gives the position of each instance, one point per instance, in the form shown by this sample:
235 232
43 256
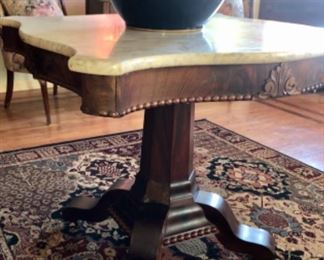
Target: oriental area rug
265 189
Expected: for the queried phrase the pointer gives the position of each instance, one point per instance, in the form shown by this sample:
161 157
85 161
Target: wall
310 12
24 81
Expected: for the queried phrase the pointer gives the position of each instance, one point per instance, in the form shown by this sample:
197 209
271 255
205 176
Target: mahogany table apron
164 205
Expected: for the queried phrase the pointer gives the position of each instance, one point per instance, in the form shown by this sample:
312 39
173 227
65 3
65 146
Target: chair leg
45 100
55 90
9 91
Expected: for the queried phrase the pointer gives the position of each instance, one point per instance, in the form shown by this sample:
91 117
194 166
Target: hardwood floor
292 125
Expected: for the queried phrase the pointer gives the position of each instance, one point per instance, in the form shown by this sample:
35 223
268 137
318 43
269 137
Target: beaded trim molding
185 100
264 95
173 239
313 88
189 235
179 101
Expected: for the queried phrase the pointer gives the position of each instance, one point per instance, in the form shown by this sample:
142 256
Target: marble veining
101 44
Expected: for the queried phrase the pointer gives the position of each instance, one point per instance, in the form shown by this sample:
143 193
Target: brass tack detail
198 99
166 242
201 232
180 237
311 88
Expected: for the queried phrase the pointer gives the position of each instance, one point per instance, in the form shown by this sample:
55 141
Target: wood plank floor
292 125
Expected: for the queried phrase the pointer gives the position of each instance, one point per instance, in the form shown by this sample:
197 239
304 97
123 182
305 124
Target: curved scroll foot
147 232
233 235
116 200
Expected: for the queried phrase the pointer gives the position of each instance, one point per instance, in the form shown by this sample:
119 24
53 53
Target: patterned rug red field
264 188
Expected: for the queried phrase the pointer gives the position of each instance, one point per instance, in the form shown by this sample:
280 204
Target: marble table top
101 44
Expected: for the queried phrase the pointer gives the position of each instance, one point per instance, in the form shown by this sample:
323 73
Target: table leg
164 205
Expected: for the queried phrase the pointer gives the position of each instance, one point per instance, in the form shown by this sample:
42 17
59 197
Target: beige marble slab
101 45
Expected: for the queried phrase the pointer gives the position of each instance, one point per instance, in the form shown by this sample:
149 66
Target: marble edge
59 48
110 67
88 65
9 21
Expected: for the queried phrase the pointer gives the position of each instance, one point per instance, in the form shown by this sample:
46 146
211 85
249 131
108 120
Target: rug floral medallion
265 189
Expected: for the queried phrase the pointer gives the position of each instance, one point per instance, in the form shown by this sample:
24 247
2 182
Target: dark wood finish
62 5
57 67
163 181
296 11
55 89
9 88
164 193
43 85
235 236
44 91
166 185
11 40
145 89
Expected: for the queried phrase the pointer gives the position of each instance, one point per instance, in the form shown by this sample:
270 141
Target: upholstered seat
14 62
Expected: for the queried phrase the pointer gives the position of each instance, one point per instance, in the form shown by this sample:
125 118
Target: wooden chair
14 62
